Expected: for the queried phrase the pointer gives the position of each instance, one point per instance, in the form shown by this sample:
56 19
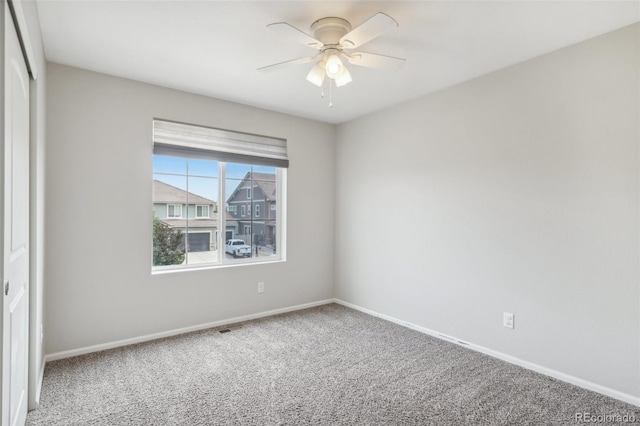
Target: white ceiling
214 47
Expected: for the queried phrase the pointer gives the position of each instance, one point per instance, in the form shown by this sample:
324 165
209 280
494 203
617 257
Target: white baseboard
125 342
585 384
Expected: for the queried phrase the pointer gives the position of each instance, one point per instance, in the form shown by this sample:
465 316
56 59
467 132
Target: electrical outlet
260 287
508 319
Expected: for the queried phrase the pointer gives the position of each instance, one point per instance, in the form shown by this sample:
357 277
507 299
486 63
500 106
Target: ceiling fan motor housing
330 30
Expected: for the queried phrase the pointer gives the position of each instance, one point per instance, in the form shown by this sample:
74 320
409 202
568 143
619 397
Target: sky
203 175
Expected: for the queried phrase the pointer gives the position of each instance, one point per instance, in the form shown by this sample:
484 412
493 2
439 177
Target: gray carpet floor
328 365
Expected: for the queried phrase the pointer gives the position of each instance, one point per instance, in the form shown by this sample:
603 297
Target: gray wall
99 283
520 191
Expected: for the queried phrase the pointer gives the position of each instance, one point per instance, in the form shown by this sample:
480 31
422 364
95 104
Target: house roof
266 182
168 194
269 189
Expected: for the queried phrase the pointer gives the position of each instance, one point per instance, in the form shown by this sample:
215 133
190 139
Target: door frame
36 195
15 125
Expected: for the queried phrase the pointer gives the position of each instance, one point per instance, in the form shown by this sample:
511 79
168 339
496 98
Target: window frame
208 216
220 216
174 208
257 210
200 142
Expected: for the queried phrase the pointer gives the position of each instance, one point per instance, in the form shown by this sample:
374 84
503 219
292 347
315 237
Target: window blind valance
187 140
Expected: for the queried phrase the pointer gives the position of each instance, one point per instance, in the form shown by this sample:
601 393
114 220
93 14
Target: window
174 210
199 168
202 212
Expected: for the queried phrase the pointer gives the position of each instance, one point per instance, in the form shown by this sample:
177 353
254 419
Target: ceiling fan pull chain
330 95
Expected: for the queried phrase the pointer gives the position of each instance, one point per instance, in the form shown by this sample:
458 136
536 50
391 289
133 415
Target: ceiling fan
334 39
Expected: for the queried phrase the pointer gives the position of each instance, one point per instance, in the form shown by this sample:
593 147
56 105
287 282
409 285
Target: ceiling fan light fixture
316 75
343 78
333 65
331 36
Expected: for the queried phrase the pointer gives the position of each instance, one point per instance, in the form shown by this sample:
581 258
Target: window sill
187 268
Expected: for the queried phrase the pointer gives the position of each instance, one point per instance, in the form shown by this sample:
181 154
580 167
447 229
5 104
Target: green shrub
168 244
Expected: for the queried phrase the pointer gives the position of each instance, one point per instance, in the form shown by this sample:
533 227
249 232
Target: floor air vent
229 329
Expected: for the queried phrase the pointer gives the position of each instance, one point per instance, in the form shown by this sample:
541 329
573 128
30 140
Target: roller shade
190 141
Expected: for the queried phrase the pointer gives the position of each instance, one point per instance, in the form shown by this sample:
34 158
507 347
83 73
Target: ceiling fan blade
292 33
368 30
285 64
373 60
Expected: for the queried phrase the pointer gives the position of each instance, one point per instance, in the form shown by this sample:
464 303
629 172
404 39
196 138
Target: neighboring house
195 215
253 206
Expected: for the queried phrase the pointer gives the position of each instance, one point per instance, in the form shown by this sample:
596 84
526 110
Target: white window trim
203 207
257 210
243 210
249 193
174 209
220 216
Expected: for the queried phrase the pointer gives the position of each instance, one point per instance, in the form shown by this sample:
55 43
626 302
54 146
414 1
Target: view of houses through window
196 218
